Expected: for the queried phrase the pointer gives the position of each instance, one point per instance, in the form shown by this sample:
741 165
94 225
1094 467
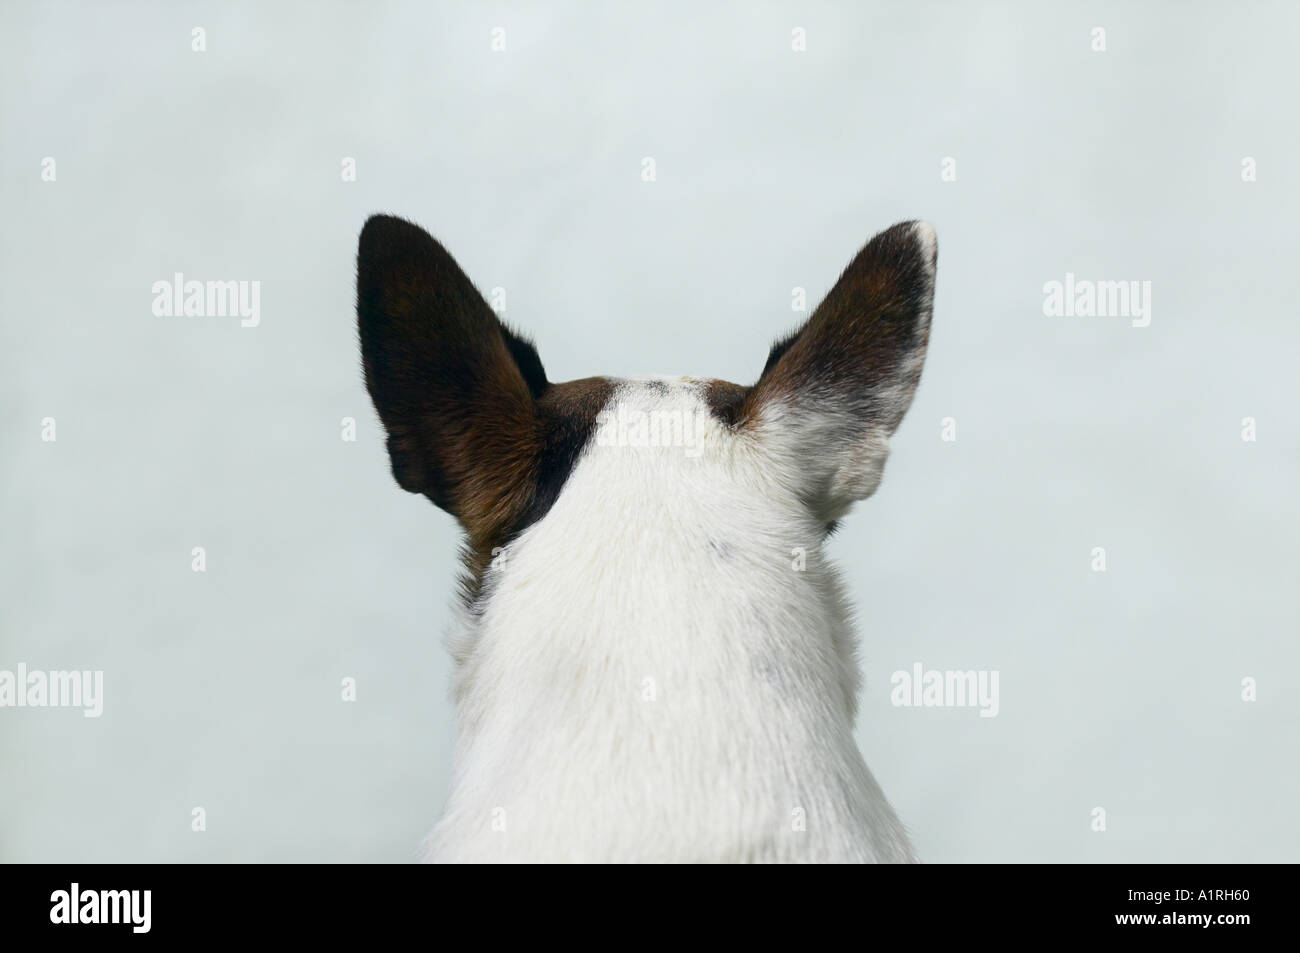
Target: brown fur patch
725 400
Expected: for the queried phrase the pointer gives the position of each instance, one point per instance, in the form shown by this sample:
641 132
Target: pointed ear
834 391
455 389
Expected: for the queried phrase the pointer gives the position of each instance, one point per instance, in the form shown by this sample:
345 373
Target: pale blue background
1119 690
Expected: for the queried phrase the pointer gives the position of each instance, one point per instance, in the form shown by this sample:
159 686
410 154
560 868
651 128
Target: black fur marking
527 359
568 414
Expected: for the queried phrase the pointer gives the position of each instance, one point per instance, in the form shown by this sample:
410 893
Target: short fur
655 661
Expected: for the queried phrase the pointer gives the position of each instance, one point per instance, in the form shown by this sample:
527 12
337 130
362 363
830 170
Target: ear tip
383 233
913 241
927 240
382 223
925 234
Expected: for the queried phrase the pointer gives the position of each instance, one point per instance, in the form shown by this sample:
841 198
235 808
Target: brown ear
455 389
833 392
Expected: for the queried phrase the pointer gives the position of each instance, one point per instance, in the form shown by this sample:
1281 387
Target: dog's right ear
455 389
833 392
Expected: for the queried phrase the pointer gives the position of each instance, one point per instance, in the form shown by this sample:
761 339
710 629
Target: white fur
925 234
651 679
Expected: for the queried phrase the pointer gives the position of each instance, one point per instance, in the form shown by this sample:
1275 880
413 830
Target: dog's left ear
833 392
456 390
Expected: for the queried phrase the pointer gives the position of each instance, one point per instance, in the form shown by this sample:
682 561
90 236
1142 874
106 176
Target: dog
654 659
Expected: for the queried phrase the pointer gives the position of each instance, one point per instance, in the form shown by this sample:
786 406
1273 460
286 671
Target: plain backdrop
1120 690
